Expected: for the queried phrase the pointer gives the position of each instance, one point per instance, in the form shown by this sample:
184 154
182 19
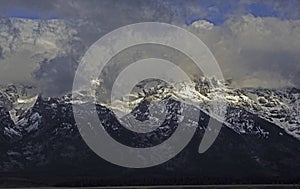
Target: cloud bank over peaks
255 51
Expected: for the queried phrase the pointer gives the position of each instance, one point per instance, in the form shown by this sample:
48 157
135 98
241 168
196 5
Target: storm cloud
252 50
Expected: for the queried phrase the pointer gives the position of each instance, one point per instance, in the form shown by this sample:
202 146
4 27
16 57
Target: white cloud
256 51
25 43
203 24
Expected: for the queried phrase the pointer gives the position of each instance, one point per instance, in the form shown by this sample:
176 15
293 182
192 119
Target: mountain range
41 146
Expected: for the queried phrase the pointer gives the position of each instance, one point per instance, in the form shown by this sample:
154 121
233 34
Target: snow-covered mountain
18 99
45 136
278 106
38 134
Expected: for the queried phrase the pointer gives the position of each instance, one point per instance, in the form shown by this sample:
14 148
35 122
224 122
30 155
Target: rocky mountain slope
260 134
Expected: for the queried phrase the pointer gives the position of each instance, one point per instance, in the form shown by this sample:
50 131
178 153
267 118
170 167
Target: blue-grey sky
216 11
